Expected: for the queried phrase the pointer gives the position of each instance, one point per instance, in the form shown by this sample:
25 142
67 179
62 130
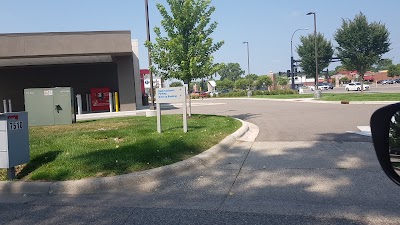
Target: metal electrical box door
14 139
50 106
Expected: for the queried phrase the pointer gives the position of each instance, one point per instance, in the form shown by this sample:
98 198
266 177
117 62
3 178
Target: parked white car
321 86
356 86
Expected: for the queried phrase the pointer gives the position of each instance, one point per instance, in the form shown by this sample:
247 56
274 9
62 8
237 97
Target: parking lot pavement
303 168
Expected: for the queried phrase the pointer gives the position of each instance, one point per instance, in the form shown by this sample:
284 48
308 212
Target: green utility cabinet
50 106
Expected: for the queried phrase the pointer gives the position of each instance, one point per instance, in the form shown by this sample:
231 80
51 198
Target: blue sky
266 25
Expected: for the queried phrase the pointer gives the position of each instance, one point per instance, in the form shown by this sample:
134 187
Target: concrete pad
104 115
151 113
326 189
232 158
306 154
196 189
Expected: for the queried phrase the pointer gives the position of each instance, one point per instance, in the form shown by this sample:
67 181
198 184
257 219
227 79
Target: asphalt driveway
303 168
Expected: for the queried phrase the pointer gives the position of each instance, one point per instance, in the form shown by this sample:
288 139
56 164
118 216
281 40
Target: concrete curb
143 180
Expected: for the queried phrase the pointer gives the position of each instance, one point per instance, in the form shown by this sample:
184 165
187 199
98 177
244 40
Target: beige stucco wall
72 43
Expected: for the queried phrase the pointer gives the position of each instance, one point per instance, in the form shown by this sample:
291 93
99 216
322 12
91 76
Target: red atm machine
100 99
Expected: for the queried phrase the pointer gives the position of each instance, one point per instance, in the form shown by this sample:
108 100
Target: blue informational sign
170 95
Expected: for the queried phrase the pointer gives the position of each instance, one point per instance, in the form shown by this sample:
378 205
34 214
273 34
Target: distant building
211 85
368 76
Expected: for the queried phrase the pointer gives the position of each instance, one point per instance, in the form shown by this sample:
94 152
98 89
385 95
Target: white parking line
179 105
364 131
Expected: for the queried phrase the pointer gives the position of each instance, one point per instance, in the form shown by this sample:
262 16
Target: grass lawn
118 146
361 97
285 96
367 96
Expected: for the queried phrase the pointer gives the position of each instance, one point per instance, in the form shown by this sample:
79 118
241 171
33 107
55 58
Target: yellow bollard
116 102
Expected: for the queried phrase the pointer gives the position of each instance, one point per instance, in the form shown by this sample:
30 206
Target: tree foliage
176 84
339 68
394 70
263 81
252 77
344 80
230 71
306 53
185 53
361 44
243 84
383 64
225 84
283 80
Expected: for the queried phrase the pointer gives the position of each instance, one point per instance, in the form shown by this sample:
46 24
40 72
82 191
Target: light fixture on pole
317 94
146 4
291 56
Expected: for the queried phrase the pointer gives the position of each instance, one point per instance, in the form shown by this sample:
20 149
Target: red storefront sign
100 99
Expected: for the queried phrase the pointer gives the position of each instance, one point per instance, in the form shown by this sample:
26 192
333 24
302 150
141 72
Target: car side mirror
385 128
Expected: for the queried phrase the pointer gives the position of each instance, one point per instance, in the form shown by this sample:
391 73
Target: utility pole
152 106
291 56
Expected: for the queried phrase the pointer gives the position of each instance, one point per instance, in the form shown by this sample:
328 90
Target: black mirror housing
380 126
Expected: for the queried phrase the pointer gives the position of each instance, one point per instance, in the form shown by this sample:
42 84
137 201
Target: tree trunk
362 83
190 100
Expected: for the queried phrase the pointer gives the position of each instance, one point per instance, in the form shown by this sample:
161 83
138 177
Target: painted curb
137 180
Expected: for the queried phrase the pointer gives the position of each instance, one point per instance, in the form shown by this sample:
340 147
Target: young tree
185 53
361 44
230 71
306 53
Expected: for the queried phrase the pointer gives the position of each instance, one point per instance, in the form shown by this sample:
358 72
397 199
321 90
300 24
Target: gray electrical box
14 139
50 106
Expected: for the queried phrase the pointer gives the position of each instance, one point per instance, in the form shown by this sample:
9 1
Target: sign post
171 95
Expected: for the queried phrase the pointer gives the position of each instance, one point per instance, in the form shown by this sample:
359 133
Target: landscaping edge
143 180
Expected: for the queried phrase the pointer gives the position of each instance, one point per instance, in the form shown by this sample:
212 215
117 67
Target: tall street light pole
248 57
291 56
146 5
317 95
248 61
